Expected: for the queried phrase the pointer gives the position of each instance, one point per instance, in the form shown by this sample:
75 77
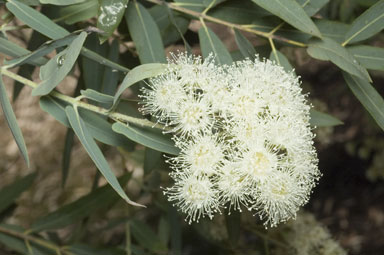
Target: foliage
112 42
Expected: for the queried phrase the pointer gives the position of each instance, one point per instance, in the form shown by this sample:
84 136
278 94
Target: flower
243 133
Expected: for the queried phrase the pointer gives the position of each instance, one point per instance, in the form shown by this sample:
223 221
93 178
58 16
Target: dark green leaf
311 7
281 60
238 12
245 46
212 3
62 65
147 137
320 119
210 43
110 14
367 24
370 57
176 230
68 145
79 12
82 249
368 96
25 71
151 159
137 74
233 227
145 236
102 60
19 245
145 34
102 197
292 13
110 75
327 49
94 151
12 122
56 108
36 20
11 192
164 231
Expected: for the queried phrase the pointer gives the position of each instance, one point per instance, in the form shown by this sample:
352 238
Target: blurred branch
244 28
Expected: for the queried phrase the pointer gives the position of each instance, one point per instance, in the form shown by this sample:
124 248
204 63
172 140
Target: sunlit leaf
110 14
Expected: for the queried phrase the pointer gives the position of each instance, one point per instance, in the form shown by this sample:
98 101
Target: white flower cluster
244 136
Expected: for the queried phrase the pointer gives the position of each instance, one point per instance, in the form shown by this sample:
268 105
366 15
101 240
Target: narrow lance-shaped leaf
137 74
68 214
11 192
110 14
79 12
61 2
12 122
97 96
320 119
211 44
67 151
368 96
61 65
292 13
36 20
311 7
144 235
245 46
327 49
370 57
145 34
94 152
367 24
149 138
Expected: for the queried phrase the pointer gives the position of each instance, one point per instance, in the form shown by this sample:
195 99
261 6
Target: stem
27 238
226 23
113 115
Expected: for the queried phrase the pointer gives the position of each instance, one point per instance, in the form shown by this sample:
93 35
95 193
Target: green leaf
43 50
61 2
11 192
145 34
332 29
246 48
281 60
238 12
109 17
145 236
210 43
320 119
66 161
110 76
233 222
79 12
102 197
12 122
83 249
311 7
98 97
147 137
13 50
19 245
62 65
36 20
367 24
102 60
368 96
292 13
56 108
151 159
327 49
194 5
370 57
94 151
212 3
139 73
